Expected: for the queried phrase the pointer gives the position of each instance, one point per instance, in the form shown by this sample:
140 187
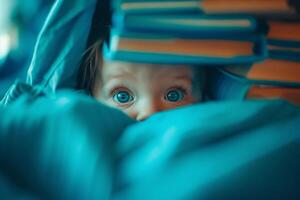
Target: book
284 52
208 6
271 71
283 39
250 6
224 84
284 31
273 92
206 50
156 6
187 24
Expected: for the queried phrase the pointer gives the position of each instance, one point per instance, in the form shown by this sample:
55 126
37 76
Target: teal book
284 7
284 51
186 24
169 49
156 6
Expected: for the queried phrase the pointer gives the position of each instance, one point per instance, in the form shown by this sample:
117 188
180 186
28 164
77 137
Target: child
139 89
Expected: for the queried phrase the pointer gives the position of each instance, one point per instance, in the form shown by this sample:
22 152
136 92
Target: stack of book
254 43
283 39
277 76
179 32
273 78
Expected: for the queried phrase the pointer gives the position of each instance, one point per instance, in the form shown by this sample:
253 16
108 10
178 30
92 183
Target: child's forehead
116 67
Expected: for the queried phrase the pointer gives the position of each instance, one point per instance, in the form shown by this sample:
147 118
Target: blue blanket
69 146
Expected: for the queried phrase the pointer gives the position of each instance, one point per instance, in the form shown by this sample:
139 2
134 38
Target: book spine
206 50
155 6
186 25
255 7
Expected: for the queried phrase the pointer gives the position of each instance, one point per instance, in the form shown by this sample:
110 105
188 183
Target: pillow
70 146
59 147
226 150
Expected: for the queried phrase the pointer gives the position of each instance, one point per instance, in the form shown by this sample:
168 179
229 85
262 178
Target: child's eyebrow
120 74
183 76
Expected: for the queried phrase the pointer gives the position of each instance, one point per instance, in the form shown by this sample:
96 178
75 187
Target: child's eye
175 95
122 97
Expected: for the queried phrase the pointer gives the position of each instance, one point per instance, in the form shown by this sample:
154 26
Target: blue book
156 6
185 24
271 7
169 49
272 71
283 51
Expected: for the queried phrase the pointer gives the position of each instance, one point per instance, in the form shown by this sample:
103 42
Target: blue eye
122 97
174 95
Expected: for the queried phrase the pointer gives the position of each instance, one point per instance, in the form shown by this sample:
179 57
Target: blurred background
20 23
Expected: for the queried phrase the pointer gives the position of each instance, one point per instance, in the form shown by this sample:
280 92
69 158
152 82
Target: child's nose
146 109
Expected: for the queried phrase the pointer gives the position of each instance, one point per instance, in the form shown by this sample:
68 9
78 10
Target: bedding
59 147
68 146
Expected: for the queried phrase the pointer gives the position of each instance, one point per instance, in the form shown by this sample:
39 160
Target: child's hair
88 67
90 59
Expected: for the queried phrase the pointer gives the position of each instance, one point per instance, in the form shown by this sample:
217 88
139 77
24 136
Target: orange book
231 86
208 6
270 92
270 70
247 6
276 70
288 31
187 47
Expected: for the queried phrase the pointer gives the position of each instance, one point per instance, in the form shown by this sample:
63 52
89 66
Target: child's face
143 89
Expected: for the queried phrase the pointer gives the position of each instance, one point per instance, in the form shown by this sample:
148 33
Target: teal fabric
60 46
246 150
58 147
69 146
